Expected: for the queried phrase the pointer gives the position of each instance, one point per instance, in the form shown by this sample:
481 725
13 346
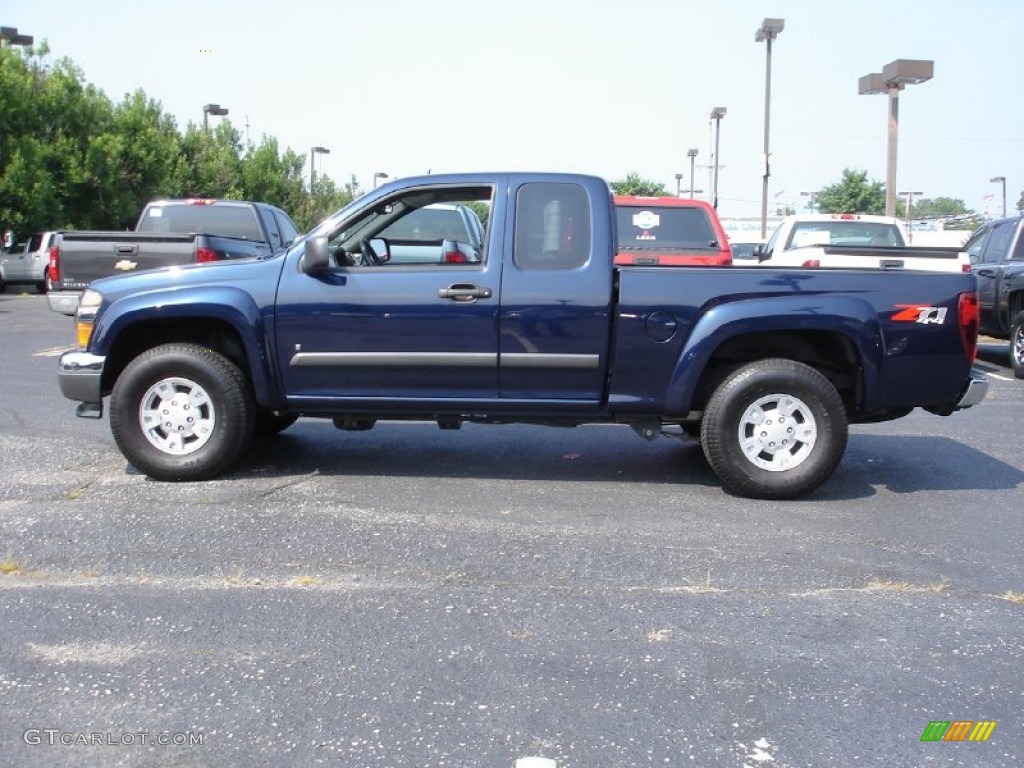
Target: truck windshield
664 227
812 233
208 219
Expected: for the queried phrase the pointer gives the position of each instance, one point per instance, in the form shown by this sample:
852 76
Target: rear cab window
205 217
664 228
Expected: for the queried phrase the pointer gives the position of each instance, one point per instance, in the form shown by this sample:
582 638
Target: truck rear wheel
181 412
1017 345
774 429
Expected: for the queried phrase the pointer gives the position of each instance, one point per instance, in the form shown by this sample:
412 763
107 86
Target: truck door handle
127 249
464 292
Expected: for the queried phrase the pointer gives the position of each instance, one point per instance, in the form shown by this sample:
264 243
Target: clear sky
597 86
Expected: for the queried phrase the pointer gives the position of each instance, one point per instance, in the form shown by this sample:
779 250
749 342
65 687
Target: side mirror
759 253
315 257
381 248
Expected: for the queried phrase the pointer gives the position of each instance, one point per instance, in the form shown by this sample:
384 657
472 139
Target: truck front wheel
181 412
774 429
1017 345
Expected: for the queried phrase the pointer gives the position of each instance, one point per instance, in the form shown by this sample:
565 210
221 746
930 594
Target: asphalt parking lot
411 597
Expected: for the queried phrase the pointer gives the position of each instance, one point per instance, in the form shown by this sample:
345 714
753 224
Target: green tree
939 207
634 185
209 164
269 176
854 194
1020 203
128 164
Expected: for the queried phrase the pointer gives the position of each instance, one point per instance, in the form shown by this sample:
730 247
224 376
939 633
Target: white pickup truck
853 240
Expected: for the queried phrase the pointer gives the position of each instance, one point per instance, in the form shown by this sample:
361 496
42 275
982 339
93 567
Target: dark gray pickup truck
996 250
169 233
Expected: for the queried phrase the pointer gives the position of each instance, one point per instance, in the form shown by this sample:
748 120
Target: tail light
965 268
53 270
968 310
812 263
455 257
205 254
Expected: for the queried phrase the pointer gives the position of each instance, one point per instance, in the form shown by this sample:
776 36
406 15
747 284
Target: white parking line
52 352
535 762
997 376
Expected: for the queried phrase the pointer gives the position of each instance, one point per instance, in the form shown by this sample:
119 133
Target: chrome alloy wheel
777 432
1017 346
177 416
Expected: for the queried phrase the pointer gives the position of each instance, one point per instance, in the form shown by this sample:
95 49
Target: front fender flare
228 304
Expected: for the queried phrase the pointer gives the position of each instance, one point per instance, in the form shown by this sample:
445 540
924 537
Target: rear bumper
65 302
974 392
80 376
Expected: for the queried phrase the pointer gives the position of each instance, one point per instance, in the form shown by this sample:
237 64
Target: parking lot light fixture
212 109
769 30
313 152
893 78
378 177
812 204
1001 180
9 36
692 154
907 214
716 115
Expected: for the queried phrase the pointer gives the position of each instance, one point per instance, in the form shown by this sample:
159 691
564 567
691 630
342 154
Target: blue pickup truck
767 367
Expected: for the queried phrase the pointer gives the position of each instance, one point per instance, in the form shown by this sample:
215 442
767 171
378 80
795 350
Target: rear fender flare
850 317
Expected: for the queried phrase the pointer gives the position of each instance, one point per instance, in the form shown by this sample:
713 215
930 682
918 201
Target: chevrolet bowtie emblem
126 265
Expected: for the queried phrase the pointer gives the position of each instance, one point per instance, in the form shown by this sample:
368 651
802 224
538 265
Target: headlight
88 306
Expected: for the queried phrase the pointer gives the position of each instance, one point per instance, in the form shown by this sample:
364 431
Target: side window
552 229
288 229
999 243
976 243
435 226
1018 250
273 234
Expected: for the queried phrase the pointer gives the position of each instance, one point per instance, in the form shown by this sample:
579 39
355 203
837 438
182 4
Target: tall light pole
716 114
813 202
378 177
1001 180
893 78
9 36
679 185
692 154
313 152
770 29
910 208
212 109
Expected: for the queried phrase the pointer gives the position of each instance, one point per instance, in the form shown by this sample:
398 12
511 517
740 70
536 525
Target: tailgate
879 257
85 257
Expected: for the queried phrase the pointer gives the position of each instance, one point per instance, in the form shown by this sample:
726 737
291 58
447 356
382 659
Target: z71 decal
917 313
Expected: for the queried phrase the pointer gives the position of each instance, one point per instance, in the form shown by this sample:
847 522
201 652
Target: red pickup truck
669 231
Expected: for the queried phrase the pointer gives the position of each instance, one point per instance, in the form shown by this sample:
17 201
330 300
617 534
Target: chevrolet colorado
768 367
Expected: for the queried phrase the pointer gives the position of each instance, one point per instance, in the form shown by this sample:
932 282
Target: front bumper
974 392
80 375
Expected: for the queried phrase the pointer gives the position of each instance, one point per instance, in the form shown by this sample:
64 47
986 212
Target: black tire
1017 345
205 432
42 286
269 423
804 430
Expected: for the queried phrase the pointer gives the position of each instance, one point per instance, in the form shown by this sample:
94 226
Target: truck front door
382 332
